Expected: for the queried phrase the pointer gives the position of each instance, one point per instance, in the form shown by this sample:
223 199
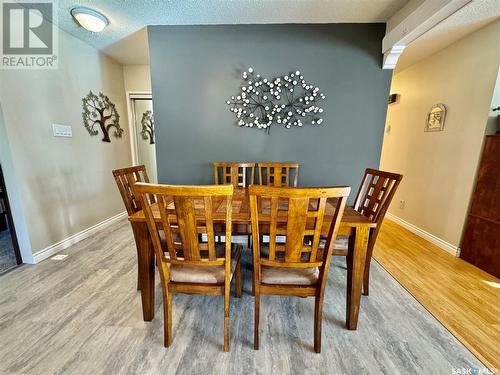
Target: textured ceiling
466 20
124 40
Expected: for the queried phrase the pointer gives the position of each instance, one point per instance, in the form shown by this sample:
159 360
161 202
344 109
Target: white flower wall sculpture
288 101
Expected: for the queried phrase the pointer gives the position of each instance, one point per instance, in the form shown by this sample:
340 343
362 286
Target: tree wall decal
148 127
99 111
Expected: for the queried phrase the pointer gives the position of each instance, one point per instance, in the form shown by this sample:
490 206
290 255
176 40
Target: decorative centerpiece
288 100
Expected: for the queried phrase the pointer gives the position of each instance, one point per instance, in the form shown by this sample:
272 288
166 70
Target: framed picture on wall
435 118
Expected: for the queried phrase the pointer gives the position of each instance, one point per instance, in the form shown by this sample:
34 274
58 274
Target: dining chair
195 265
125 180
374 196
278 174
240 175
298 267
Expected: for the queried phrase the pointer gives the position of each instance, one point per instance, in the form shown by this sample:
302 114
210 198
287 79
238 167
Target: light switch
62 130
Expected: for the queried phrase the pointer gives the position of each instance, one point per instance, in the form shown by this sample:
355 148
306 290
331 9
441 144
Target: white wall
439 168
65 184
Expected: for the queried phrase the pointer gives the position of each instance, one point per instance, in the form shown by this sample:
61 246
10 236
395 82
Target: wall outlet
62 130
402 204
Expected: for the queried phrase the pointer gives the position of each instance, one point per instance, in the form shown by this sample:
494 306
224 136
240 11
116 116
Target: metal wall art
148 127
435 118
100 112
287 100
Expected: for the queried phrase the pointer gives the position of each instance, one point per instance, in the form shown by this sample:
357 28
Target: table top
241 212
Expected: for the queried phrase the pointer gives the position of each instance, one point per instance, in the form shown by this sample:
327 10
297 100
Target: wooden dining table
353 224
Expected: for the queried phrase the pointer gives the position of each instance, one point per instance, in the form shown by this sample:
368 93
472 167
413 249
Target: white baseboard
446 246
77 237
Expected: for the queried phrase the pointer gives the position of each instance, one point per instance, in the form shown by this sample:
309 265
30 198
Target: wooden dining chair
374 196
125 180
195 266
278 174
239 174
298 267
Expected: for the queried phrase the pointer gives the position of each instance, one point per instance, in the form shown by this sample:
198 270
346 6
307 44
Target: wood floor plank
465 299
82 315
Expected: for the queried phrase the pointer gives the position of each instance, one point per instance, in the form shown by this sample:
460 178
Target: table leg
146 270
355 269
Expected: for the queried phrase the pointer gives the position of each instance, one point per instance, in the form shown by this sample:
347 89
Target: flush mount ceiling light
89 19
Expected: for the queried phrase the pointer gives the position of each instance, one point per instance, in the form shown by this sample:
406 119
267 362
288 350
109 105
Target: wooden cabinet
481 241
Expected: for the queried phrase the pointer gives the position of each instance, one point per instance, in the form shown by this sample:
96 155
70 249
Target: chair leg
318 319
138 270
366 278
249 241
238 287
366 274
226 319
138 259
167 318
253 272
256 322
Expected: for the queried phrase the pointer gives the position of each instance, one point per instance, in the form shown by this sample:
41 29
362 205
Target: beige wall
65 183
439 168
137 78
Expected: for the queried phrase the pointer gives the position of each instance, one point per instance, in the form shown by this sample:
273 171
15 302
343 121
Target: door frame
131 96
10 219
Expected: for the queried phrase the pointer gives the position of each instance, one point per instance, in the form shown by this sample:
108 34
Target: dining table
354 225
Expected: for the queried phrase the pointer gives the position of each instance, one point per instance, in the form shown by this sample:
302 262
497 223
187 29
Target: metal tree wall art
100 112
148 127
287 100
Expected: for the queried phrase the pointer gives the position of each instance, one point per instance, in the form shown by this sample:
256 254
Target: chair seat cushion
289 276
206 274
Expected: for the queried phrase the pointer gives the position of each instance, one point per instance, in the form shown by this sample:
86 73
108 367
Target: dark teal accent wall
195 69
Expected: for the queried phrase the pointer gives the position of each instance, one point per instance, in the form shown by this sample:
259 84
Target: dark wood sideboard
481 241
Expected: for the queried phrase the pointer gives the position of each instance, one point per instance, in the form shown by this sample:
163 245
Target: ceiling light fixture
89 19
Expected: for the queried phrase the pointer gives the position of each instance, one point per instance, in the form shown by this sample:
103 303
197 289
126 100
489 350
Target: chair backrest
375 193
125 179
184 214
278 174
239 174
298 214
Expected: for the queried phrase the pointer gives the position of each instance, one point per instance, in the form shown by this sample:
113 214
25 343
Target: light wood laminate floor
465 299
82 315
